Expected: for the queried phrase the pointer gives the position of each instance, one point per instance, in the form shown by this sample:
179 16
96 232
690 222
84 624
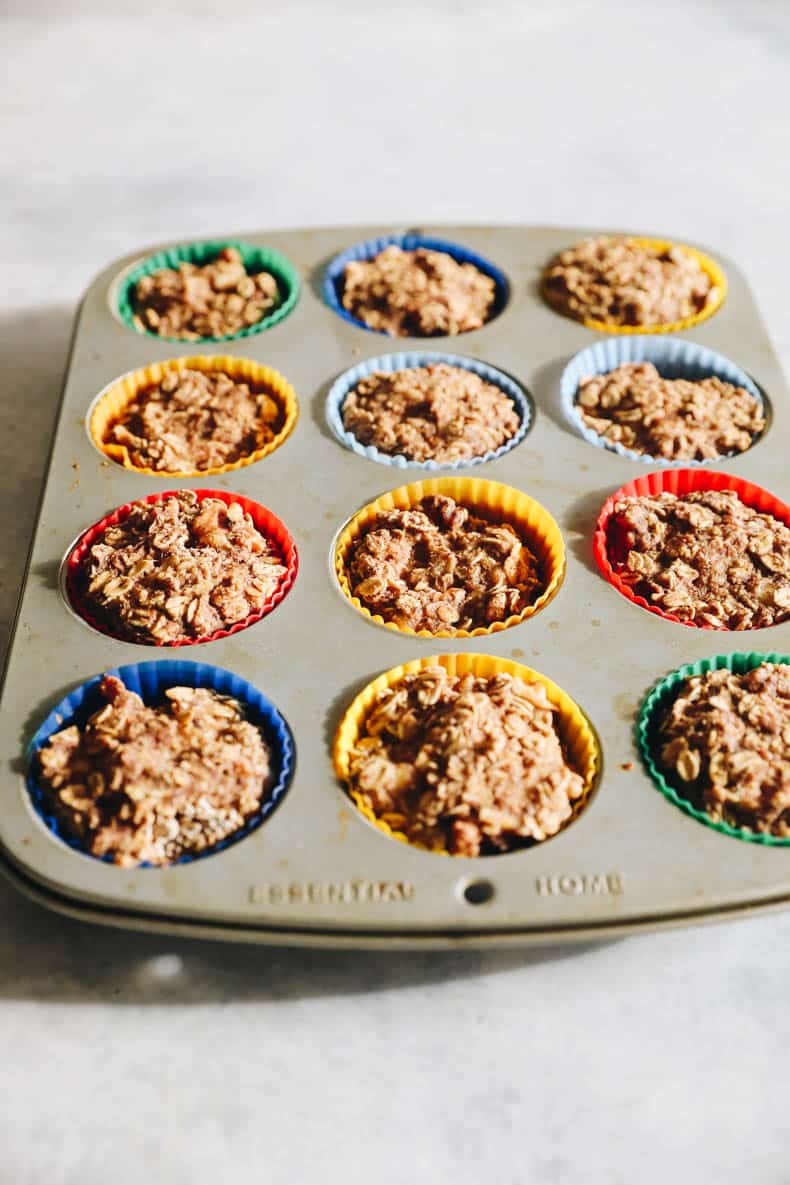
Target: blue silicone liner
658 701
150 680
673 357
333 279
392 362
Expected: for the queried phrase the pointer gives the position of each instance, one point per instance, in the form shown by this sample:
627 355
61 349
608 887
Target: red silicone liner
267 523
680 482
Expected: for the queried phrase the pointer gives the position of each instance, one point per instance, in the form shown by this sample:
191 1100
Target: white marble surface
138 1060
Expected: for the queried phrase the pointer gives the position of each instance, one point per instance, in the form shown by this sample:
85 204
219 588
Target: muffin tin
316 871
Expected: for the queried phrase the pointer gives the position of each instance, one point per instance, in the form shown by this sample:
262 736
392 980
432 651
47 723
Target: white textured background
137 1060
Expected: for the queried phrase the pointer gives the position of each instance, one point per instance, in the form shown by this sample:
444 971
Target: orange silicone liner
716 295
609 547
113 401
576 734
267 523
490 500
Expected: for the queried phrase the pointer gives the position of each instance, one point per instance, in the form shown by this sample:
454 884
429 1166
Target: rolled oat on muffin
674 419
705 557
619 281
725 742
438 567
179 568
193 301
140 784
471 765
436 412
420 293
192 420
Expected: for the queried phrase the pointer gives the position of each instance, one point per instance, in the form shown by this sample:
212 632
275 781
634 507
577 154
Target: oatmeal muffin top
143 784
471 765
438 412
726 742
437 567
705 557
618 281
419 293
674 419
215 299
194 420
178 568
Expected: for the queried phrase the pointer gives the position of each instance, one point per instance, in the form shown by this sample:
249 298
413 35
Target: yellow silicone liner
715 301
113 401
578 739
489 499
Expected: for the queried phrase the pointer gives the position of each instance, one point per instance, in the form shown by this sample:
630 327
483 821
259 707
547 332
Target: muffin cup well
658 701
255 259
267 523
112 402
150 680
673 358
679 482
370 248
578 740
716 297
488 499
390 363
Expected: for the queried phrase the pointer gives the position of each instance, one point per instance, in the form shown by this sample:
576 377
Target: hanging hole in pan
478 892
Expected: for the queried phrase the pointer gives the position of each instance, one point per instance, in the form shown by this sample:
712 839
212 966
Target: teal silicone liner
660 698
389 363
256 259
673 358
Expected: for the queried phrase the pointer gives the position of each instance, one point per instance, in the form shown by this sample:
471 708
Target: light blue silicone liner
392 362
150 680
333 278
673 357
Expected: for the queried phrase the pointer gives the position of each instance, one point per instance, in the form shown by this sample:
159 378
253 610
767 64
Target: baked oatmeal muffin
178 568
438 567
725 744
705 557
143 784
437 412
619 281
420 293
193 301
674 419
193 420
471 765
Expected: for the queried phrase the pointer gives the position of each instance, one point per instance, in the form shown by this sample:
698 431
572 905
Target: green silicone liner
660 698
255 259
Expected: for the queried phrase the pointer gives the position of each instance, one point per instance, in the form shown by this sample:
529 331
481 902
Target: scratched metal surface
317 871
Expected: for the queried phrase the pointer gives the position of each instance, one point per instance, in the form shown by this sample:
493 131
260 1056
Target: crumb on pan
439 567
143 784
439 413
471 765
213 299
419 293
674 419
726 743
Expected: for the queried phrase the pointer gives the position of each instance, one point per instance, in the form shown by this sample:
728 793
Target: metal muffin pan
317 872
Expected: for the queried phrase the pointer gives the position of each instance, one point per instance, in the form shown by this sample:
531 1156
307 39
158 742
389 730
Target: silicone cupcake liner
578 740
150 680
267 523
488 499
716 296
334 277
673 357
389 363
679 482
660 699
255 259
110 404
